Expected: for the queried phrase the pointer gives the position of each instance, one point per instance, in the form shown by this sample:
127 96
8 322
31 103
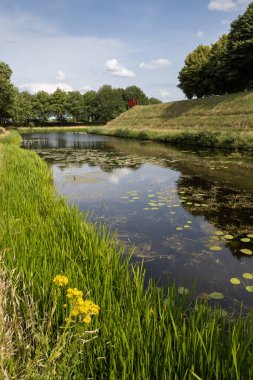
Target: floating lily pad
235 281
189 203
151 195
219 233
189 221
228 237
216 296
181 290
123 197
248 276
154 208
186 226
146 209
245 240
136 198
250 235
179 228
246 251
249 288
215 248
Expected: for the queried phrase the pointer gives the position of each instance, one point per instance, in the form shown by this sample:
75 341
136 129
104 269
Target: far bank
218 121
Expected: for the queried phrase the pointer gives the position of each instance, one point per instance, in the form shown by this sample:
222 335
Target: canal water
187 212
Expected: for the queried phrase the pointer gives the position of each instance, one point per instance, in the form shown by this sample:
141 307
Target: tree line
224 67
96 107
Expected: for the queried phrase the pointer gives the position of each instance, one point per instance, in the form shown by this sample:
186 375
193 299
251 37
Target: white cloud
164 93
61 77
226 5
48 87
115 68
155 64
200 34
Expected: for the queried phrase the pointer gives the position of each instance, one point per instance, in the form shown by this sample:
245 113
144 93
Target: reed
139 333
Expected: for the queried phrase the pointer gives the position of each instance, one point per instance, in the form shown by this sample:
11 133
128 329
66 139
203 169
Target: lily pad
250 235
215 248
219 233
245 240
189 203
186 226
249 288
216 296
246 251
228 237
179 228
181 290
248 276
235 281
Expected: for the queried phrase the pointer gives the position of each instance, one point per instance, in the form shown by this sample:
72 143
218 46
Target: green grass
53 129
138 334
218 121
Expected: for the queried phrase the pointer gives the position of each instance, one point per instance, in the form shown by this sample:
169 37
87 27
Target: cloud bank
155 64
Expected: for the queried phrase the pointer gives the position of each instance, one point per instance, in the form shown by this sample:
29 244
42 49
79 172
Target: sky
85 44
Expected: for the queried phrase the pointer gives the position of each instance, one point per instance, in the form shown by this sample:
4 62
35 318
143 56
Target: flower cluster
74 293
78 306
60 280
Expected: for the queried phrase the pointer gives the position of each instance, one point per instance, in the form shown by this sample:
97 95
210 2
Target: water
184 210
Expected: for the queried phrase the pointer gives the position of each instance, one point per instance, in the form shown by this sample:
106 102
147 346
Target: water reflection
187 212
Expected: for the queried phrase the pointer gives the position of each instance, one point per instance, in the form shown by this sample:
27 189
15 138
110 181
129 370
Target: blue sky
84 44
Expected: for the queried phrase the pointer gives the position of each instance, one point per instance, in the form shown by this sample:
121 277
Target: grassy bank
218 121
53 129
136 335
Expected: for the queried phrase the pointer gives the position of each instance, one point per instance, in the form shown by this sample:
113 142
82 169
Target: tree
59 101
216 68
109 104
7 92
134 92
74 105
192 78
22 110
154 101
90 106
240 52
42 106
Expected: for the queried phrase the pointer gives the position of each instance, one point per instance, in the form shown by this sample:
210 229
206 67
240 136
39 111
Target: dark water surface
186 211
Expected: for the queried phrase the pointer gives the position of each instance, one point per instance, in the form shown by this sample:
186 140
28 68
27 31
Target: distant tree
7 92
90 107
59 102
240 52
42 106
109 104
74 105
134 92
154 101
22 110
192 77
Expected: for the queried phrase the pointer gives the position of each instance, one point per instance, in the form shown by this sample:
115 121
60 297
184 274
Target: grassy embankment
218 121
136 335
53 129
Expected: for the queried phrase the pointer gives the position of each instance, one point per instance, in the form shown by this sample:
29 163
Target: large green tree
42 106
240 52
109 104
22 110
59 103
134 92
192 77
75 105
7 92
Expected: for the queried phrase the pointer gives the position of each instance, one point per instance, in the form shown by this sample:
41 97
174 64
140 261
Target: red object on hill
131 103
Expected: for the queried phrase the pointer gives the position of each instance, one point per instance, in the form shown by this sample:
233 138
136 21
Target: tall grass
149 333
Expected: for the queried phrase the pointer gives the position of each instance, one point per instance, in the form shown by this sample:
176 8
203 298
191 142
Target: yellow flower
60 280
74 293
65 306
68 320
87 319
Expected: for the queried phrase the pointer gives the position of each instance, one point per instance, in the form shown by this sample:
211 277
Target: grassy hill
219 121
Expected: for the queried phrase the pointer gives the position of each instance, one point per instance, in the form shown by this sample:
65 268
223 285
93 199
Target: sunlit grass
139 333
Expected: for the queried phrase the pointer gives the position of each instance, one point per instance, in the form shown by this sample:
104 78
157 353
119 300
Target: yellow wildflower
68 320
74 293
60 280
87 319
